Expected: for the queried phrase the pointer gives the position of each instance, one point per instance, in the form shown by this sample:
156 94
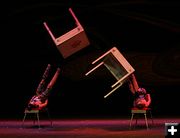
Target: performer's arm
42 105
148 99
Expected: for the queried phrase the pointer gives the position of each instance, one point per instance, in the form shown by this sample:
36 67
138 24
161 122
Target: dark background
147 33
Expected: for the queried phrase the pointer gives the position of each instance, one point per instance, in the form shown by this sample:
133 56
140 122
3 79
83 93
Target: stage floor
85 128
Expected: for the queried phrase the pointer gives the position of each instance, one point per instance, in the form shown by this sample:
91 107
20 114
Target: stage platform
84 128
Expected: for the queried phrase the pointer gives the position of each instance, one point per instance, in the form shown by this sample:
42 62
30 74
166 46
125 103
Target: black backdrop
147 33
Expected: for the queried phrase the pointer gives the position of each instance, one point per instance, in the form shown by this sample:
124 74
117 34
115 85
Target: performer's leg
41 85
50 85
53 80
133 85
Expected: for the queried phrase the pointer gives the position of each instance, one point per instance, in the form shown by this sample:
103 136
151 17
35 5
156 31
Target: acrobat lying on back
142 98
40 100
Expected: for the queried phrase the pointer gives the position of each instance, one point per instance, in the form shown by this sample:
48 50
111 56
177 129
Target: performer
40 100
142 99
